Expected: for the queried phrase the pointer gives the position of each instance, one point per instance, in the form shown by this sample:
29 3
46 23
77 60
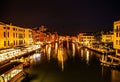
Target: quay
102 51
107 57
10 55
12 71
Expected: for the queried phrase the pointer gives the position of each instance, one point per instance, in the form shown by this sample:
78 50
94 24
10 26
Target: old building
12 36
116 43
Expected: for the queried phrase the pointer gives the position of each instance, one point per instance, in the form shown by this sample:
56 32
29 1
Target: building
28 37
86 39
107 38
116 43
38 36
12 36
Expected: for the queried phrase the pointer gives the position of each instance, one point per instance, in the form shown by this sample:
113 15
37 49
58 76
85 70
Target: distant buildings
86 38
12 36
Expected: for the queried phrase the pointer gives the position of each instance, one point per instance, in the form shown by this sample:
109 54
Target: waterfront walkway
111 51
7 56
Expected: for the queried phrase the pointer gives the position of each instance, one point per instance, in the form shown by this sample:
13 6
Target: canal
68 62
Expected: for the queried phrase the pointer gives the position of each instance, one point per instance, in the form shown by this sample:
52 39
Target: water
68 62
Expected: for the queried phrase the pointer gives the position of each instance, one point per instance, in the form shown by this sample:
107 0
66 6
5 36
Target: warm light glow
115 75
12 72
87 57
49 51
73 49
60 58
81 52
56 48
67 44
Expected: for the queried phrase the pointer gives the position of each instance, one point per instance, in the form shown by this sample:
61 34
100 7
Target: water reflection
60 58
67 44
115 74
48 51
87 57
72 71
35 58
56 48
73 49
81 52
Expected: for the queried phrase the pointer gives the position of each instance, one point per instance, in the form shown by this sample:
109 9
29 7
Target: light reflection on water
73 49
87 57
77 70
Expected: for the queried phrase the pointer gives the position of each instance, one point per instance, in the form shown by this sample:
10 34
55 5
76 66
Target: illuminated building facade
116 43
107 38
12 36
86 39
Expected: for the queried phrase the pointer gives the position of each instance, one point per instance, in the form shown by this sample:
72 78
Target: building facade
12 36
116 43
86 39
107 38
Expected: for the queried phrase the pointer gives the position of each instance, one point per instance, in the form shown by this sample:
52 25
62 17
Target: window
116 42
13 28
8 34
116 34
13 35
8 43
4 43
14 42
4 27
8 28
4 34
118 51
117 28
20 42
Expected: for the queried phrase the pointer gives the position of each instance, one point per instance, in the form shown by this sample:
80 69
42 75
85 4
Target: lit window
13 28
4 27
116 34
14 35
117 28
8 43
4 34
8 28
14 42
4 43
116 42
8 34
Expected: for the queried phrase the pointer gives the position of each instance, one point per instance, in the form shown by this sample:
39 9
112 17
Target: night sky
64 16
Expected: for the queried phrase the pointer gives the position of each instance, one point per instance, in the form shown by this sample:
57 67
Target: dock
101 50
